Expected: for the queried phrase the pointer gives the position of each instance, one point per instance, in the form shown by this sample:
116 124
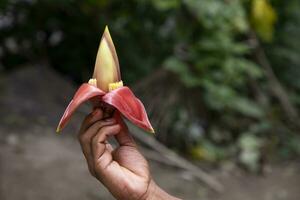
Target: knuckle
96 126
96 139
83 138
102 125
104 130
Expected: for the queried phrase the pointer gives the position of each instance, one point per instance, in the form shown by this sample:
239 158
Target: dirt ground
36 163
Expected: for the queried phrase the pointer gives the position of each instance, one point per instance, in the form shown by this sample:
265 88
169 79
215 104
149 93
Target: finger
124 138
109 147
132 159
85 140
97 114
102 155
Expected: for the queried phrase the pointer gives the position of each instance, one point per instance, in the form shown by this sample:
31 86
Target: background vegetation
230 67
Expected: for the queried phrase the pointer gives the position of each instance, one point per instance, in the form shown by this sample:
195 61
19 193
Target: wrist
156 193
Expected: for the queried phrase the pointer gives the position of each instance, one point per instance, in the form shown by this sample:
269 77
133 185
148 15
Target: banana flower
106 89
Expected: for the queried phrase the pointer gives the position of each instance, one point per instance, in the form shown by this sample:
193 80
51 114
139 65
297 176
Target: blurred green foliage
285 49
67 33
206 43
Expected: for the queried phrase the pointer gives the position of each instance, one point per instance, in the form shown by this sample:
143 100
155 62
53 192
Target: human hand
123 171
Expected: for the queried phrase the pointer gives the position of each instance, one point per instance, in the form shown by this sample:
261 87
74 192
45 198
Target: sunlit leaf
263 18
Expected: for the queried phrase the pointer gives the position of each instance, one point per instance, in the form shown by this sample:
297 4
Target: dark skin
123 170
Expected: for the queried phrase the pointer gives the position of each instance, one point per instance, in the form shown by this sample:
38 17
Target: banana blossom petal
122 99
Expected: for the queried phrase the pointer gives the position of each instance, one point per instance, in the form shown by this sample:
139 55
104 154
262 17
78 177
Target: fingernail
110 120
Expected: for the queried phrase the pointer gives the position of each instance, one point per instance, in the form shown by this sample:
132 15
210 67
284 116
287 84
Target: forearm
156 193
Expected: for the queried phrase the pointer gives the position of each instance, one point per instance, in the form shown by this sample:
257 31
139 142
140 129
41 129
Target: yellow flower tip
106 29
116 85
93 82
152 131
58 129
107 68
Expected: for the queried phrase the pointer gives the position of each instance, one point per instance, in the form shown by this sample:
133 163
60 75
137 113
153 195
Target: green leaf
181 69
222 97
263 18
247 107
165 5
